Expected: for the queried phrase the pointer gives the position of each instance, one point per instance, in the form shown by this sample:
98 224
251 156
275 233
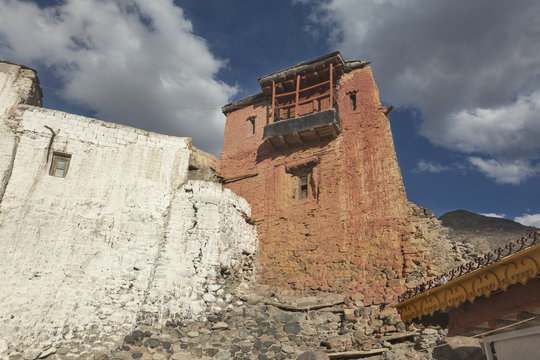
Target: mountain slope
484 232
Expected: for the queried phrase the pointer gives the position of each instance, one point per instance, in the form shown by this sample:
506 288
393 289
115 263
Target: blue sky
463 76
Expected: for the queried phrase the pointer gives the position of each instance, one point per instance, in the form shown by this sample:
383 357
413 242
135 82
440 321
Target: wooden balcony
303 131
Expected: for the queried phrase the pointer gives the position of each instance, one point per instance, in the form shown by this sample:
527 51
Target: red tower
314 156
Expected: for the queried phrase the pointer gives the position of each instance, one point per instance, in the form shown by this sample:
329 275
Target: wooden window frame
251 121
56 159
303 188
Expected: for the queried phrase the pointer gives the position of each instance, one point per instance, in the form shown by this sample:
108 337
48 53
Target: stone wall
18 85
124 236
347 234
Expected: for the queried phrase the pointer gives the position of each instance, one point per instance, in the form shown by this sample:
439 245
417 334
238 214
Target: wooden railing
296 103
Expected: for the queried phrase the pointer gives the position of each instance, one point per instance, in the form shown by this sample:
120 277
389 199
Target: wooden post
331 86
273 99
297 95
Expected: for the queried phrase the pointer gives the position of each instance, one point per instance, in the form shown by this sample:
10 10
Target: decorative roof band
499 275
481 261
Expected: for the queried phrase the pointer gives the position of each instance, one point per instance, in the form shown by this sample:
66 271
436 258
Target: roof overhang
340 65
304 65
481 283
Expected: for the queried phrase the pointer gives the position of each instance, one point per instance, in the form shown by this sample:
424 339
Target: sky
463 76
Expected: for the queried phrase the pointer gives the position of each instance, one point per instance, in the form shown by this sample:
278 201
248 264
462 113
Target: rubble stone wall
347 234
123 236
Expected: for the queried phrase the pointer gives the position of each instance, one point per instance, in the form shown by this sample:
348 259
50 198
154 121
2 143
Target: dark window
251 121
303 182
353 100
60 165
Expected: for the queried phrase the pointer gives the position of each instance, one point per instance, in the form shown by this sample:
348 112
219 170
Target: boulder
313 355
459 348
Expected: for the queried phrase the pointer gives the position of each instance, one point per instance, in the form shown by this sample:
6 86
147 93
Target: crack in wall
159 253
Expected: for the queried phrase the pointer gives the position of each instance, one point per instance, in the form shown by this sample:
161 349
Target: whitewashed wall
18 85
123 234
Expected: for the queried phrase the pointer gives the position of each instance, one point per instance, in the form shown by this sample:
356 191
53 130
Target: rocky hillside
484 232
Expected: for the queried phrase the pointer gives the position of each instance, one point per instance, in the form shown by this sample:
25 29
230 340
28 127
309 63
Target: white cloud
511 130
510 172
141 52
471 67
529 220
428 166
501 216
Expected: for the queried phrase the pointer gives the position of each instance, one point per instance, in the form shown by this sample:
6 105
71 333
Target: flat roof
304 65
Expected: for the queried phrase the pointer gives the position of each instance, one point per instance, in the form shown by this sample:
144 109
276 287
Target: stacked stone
429 251
253 329
249 331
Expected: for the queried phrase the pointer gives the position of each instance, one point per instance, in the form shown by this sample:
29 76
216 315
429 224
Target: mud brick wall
347 234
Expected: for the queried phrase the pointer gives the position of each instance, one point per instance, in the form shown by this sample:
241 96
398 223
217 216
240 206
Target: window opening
251 121
303 183
352 98
60 164
353 101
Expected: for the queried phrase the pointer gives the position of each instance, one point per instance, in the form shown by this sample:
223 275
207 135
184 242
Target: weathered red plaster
347 235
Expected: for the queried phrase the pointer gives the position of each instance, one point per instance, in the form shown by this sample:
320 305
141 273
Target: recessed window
352 97
353 101
60 164
303 183
251 121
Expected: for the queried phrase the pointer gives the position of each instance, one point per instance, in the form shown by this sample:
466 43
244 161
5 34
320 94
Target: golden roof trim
516 268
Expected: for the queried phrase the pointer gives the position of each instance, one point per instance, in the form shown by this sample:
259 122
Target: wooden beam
271 144
399 336
355 354
298 138
314 86
284 142
331 86
273 99
297 95
238 178
284 106
305 307
325 94
317 136
333 131
336 128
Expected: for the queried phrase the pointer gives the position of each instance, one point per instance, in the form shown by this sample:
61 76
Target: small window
251 121
303 186
352 96
60 165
